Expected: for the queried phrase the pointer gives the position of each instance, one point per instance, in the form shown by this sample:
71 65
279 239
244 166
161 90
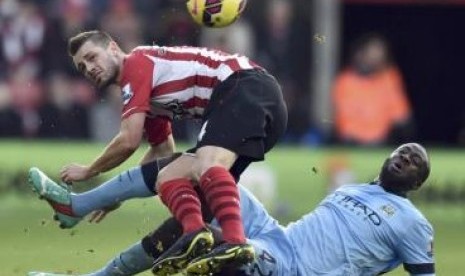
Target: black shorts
246 115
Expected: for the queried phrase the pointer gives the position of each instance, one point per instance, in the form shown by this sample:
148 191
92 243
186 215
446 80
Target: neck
389 189
120 60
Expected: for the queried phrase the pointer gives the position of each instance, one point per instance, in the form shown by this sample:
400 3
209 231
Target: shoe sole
235 256
66 222
201 244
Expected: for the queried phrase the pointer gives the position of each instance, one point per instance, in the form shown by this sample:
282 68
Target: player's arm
163 149
121 147
416 250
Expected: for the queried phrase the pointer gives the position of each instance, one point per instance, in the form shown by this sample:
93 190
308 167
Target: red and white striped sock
222 196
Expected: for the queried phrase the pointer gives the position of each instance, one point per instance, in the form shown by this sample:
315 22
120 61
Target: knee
200 168
210 156
169 174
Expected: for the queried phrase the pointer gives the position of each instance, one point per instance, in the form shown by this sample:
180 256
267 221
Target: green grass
31 241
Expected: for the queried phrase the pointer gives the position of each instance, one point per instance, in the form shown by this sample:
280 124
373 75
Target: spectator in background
22 29
175 26
65 18
65 115
369 99
105 116
10 120
26 93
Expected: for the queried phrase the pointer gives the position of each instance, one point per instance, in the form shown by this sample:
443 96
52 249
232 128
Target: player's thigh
179 168
212 156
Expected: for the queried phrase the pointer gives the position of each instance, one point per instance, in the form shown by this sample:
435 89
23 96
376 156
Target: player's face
405 166
97 63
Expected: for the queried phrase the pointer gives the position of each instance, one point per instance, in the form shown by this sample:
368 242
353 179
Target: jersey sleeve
157 129
416 250
136 84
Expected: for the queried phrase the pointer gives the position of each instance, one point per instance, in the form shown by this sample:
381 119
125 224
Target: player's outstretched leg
56 195
187 248
223 255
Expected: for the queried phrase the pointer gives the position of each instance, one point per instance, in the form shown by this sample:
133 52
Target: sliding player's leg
140 256
70 207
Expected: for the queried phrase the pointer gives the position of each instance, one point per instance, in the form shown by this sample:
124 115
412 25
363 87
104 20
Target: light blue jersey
362 230
357 230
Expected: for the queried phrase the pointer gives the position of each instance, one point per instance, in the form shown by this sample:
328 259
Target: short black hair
96 36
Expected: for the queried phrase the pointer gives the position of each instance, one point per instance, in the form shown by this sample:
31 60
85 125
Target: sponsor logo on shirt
356 207
127 93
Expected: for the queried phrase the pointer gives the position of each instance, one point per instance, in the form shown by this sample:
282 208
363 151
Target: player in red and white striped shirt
243 114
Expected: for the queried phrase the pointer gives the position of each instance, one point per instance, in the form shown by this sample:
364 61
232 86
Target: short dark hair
96 36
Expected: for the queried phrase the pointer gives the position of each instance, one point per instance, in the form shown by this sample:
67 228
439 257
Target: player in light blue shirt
360 229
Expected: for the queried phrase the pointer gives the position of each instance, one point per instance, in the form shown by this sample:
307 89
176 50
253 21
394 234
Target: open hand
75 172
99 215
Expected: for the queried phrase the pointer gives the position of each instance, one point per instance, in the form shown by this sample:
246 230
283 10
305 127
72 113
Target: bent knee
201 168
211 156
168 175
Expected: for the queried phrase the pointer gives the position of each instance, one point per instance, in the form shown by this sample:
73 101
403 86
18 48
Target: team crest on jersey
127 93
388 210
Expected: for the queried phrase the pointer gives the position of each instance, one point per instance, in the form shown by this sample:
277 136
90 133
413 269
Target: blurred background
359 77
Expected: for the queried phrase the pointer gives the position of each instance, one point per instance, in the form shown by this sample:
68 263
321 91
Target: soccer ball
215 13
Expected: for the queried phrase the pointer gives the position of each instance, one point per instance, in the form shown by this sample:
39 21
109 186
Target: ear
113 46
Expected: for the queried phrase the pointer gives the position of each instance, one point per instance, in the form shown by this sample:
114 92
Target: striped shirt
173 83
